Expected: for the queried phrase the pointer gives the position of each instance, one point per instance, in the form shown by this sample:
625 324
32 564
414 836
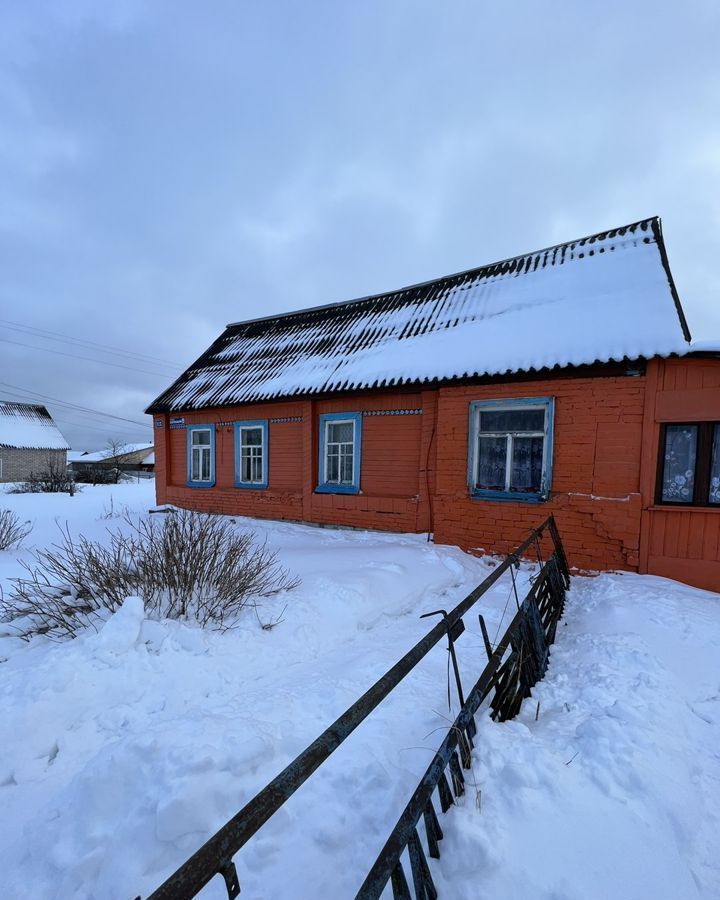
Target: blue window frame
339 458
251 454
200 455
510 449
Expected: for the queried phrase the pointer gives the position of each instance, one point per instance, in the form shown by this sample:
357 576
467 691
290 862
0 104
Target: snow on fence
518 662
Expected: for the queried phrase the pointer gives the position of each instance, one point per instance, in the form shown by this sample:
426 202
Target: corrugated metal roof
609 296
27 426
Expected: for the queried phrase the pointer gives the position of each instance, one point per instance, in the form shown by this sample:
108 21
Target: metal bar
204 864
422 879
432 830
400 888
399 839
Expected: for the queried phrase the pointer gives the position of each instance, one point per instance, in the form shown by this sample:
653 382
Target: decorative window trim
238 427
703 466
189 430
546 403
392 412
324 420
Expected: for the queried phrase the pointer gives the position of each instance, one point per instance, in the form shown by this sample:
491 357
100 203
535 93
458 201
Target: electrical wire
75 406
100 362
70 339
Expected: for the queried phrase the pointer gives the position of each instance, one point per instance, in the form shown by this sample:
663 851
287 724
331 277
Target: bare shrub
185 566
12 530
56 478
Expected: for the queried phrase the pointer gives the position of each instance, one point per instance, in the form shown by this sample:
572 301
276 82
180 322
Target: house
30 442
472 406
101 465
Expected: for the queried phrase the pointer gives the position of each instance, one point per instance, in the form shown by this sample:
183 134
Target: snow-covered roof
27 426
86 456
606 297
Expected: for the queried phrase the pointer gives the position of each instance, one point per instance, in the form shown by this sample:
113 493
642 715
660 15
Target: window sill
337 489
200 484
503 497
251 487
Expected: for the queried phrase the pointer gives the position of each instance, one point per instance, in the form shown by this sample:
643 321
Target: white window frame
192 448
260 450
514 405
339 487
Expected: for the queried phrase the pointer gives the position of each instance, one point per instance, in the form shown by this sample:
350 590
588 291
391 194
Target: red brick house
471 406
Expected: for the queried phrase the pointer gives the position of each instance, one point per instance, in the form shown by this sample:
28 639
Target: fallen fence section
517 663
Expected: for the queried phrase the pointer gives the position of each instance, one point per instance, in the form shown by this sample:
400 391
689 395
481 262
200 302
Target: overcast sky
168 168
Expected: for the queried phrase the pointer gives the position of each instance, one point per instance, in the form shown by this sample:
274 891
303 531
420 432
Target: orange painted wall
679 542
595 472
390 464
413 467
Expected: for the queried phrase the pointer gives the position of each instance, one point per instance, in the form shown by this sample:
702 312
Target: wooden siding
679 542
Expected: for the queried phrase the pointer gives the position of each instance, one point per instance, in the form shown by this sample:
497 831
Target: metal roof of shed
609 296
27 426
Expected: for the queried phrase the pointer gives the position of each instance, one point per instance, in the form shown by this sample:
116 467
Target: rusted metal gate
517 662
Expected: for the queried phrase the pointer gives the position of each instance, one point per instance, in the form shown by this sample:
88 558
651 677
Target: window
510 449
251 454
201 455
689 464
339 463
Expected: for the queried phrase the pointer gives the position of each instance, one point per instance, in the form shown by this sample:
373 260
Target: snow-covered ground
123 751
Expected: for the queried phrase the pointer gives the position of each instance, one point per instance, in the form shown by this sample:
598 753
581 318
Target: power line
100 362
75 406
66 338
105 431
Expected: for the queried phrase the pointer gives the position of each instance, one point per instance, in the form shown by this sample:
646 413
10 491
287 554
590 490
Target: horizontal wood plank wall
679 542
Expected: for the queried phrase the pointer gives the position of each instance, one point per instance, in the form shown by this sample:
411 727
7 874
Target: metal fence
514 666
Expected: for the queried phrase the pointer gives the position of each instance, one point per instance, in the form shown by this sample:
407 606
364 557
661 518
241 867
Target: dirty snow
125 749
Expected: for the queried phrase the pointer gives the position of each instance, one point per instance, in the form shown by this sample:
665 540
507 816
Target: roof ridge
651 222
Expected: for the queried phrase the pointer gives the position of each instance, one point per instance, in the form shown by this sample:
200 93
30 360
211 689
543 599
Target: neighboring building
30 442
472 406
98 465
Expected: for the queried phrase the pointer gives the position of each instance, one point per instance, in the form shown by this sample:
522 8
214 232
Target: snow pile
124 750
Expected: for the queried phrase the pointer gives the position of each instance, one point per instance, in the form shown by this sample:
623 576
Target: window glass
251 437
527 460
339 453
200 455
512 420
251 455
340 431
492 463
678 481
714 492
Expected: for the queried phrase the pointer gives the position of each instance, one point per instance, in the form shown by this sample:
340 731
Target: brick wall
389 473
595 493
18 464
414 467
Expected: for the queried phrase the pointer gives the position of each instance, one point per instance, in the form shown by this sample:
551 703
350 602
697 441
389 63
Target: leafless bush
12 530
56 478
185 566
